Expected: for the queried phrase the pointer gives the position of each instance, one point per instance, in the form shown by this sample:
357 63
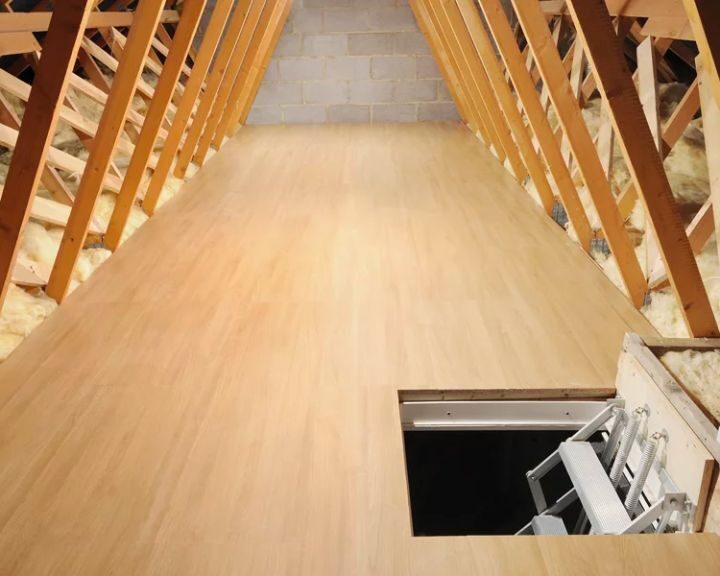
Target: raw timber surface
221 397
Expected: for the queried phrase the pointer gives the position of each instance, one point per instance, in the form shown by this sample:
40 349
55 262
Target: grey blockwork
352 61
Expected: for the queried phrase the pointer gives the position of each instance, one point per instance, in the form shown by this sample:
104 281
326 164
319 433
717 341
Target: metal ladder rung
602 505
548 526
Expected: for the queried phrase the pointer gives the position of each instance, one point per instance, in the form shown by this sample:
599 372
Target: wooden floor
222 396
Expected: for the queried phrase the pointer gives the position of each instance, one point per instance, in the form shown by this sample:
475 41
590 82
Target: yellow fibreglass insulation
24 310
687 171
699 373
22 313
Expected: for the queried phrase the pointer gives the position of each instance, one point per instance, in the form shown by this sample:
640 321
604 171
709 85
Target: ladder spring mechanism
646 461
621 418
626 444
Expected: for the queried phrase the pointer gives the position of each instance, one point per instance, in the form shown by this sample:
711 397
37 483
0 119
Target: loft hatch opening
538 467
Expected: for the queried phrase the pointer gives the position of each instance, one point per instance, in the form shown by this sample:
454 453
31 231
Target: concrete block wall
352 61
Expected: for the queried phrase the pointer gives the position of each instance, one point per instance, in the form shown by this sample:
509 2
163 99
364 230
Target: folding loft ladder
601 472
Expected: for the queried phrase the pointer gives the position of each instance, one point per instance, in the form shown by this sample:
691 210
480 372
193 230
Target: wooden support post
234 80
38 128
711 122
147 18
568 111
648 89
189 21
704 16
507 47
194 84
576 77
605 140
650 102
227 64
464 12
672 132
594 26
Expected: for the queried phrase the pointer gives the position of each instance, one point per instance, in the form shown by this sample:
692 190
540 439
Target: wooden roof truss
509 72
547 58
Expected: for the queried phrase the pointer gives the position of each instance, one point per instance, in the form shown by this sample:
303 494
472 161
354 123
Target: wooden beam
461 45
479 92
156 68
235 78
259 67
143 88
84 128
635 8
41 115
199 73
699 232
593 25
648 89
499 26
464 12
242 23
605 141
568 112
663 27
647 84
577 72
704 16
18 43
448 66
93 71
113 119
451 79
622 27
189 21
55 157
711 122
54 213
39 21
50 178
97 95
672 132
24 275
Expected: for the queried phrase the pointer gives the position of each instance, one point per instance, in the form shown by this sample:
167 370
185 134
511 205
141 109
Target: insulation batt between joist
699 373
26 310
687 170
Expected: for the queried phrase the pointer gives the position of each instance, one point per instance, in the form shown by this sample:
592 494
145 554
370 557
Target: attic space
373 287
